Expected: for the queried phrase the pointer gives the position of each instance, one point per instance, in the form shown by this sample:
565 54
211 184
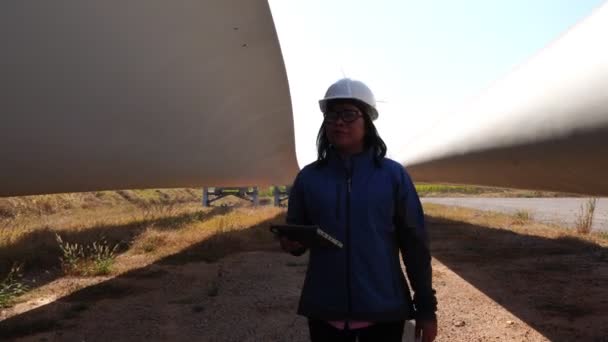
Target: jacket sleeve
296 208
414 245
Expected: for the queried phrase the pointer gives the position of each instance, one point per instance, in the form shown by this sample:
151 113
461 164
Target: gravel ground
492 285
560 211
245 297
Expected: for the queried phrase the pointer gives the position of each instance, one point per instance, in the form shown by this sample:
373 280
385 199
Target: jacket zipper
348 280
339 200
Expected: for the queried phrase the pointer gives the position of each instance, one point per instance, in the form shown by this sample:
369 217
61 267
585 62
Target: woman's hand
290 246
427 329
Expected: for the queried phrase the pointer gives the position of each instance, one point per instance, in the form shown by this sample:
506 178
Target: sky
421 58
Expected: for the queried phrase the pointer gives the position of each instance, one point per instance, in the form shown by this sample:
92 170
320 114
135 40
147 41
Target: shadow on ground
38 250
63 314
557 286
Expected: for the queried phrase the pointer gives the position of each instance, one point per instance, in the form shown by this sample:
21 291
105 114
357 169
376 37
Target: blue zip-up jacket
373 208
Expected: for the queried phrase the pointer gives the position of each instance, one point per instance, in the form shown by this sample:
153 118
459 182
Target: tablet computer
307 235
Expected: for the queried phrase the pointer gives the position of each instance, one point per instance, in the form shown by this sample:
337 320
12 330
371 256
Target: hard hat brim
371 111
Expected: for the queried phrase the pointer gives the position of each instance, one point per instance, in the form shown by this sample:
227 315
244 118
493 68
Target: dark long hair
371 139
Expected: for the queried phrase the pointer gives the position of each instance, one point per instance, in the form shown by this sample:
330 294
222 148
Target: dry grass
495 220
149 241
133 230
40 206
190 233
522 216
584 219
431 189
455 190
147 229
121 231
94 259
28 224
11 286
34 244
228 230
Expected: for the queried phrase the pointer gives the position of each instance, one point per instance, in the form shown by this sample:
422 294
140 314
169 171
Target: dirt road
560 211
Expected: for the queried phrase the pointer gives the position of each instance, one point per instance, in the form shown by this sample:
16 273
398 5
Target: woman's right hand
290 246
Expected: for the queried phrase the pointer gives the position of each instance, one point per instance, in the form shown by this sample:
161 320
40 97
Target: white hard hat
347 89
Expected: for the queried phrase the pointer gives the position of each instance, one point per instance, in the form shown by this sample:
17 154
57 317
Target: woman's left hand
427 329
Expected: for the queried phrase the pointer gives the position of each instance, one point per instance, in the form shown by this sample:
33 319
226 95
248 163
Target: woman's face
345 136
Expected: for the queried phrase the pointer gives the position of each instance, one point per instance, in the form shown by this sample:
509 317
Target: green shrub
11 287
91 260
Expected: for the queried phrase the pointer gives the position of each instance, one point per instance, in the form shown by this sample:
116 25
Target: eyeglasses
347 116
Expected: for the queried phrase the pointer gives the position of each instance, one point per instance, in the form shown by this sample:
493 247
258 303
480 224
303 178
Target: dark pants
321 331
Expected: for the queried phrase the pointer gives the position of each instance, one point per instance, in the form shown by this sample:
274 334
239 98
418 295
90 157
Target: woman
369 203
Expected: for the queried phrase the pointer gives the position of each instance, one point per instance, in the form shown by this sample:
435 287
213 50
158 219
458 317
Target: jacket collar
355 162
